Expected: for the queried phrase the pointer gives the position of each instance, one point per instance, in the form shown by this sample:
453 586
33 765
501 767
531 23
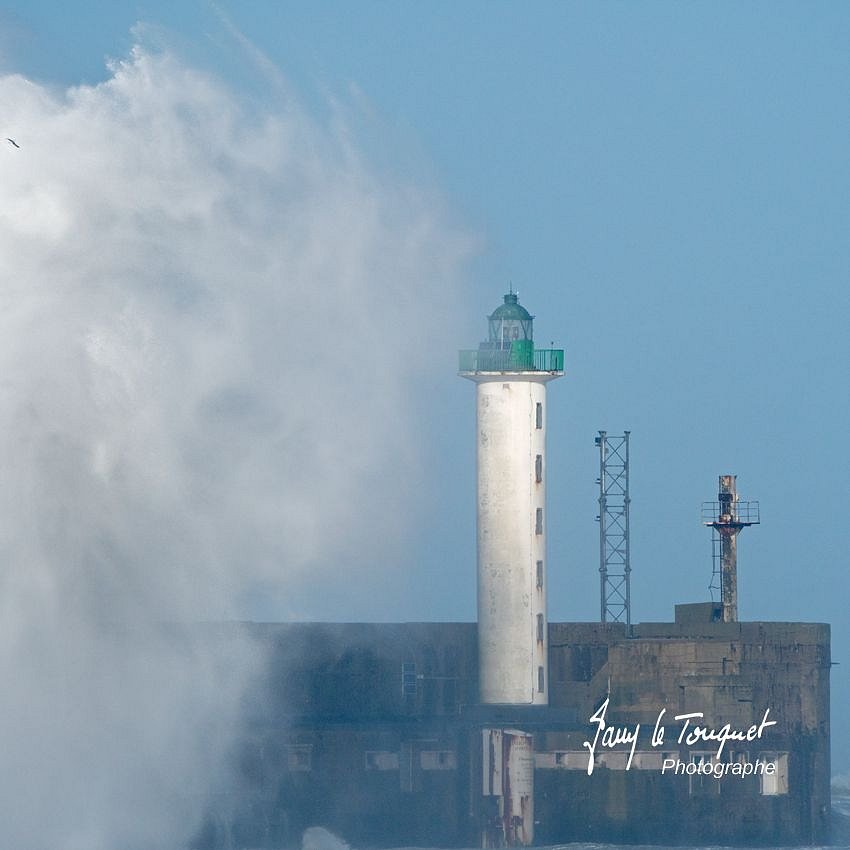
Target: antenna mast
613 519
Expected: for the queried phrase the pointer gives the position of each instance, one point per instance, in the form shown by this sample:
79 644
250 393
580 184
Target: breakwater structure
515 730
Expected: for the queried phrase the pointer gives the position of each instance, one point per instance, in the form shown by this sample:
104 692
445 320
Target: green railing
503 360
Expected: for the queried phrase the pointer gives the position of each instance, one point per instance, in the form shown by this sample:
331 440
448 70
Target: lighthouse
511 377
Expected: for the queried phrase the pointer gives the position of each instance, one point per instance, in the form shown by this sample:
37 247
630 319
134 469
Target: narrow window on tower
538 527
538 468
540 681
539 415
539 627
540 575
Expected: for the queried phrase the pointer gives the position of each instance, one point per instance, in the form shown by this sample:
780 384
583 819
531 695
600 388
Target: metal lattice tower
726 517
614 567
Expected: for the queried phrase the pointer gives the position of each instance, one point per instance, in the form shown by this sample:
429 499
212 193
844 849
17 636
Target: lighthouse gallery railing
508 360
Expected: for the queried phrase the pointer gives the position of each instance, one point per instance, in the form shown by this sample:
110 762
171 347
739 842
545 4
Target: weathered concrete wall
348 671
335 741
731 672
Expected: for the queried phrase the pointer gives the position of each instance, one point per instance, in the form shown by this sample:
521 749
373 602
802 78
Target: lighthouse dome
511 309
510 323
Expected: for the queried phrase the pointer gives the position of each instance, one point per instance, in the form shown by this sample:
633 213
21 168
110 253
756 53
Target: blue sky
667 187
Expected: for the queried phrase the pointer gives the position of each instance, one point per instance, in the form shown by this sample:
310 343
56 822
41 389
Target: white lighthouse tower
511 436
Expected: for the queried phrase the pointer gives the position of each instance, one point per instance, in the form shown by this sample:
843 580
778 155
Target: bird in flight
13 142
